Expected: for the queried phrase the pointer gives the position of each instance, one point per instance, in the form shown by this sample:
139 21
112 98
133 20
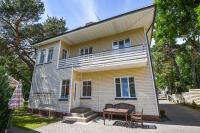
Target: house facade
103 62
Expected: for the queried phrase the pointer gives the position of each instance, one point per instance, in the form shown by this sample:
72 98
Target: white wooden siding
125 56
103 90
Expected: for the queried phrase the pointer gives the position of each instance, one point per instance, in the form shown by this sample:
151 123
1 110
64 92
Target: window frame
61 85
66 54
42 50
82 89
49 60
117 41
124 97
84 50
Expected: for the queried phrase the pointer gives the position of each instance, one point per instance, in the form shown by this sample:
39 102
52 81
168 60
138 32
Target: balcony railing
119 57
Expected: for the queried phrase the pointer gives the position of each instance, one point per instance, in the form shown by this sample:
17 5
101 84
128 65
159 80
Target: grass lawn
22 119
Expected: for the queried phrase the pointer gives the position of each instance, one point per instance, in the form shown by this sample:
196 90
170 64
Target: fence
186 97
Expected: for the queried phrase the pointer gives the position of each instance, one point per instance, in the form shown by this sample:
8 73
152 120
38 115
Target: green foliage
177 65
19 28
53 26
5 94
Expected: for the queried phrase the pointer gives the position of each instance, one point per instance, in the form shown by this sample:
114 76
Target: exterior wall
103 90
103 44
46 81
46 84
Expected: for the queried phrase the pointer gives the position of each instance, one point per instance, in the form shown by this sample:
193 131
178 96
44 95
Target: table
115 111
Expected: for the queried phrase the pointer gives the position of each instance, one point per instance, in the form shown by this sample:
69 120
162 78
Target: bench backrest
130 107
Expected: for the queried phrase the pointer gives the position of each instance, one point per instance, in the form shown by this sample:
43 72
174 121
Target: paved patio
182 120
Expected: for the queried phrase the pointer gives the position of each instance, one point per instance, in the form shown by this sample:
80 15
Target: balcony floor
113 66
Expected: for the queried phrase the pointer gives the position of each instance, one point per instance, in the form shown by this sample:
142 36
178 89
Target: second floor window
65 89
50 55
85 51
64 54
42 57
121 44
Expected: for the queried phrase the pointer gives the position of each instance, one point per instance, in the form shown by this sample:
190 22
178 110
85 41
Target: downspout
150 58
70 90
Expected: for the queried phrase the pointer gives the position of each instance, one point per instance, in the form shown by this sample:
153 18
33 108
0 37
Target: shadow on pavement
20 130
179 114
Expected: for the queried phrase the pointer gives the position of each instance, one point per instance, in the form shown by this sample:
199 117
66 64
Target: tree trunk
194 80
17 50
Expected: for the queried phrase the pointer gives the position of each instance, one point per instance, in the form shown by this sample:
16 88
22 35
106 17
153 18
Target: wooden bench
118 109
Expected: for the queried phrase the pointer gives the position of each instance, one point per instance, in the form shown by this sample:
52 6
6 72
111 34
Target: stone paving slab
182 120
98 127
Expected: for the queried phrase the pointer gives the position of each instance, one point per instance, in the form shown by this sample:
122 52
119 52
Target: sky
79 12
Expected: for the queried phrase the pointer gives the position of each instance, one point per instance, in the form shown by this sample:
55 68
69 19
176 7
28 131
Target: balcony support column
70 89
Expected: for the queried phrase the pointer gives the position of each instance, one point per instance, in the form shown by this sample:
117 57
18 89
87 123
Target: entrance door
76 97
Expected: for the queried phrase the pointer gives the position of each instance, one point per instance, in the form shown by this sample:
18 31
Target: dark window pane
84 83
84 90
90 50
89 91
65 88
89 83
115 43
118 90
127 40
50 54
64 55
121 44
66 92
64 82
117 80
131 80
82 52
86 51
127 43
68 82
63 92
42 56
132 90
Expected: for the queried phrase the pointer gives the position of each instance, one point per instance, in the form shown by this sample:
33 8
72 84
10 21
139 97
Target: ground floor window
86 90
65 89
125 87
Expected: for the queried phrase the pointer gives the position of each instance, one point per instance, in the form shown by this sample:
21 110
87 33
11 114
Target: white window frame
119 41
61 89
121 87
51 48
82 90
41 55
38 57
66 55
84 49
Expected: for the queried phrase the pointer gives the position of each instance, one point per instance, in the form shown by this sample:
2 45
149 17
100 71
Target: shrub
162 113
5 94
194 105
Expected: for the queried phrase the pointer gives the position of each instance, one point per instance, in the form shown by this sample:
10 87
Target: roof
142 17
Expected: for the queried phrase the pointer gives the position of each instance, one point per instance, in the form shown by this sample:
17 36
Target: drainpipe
150 58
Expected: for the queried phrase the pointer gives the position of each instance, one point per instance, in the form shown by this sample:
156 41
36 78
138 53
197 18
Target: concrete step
85 114
80 110
81 119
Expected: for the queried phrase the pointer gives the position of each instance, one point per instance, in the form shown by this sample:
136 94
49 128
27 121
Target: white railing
112 57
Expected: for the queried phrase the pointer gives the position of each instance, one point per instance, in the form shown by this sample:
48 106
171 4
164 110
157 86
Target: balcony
130 57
